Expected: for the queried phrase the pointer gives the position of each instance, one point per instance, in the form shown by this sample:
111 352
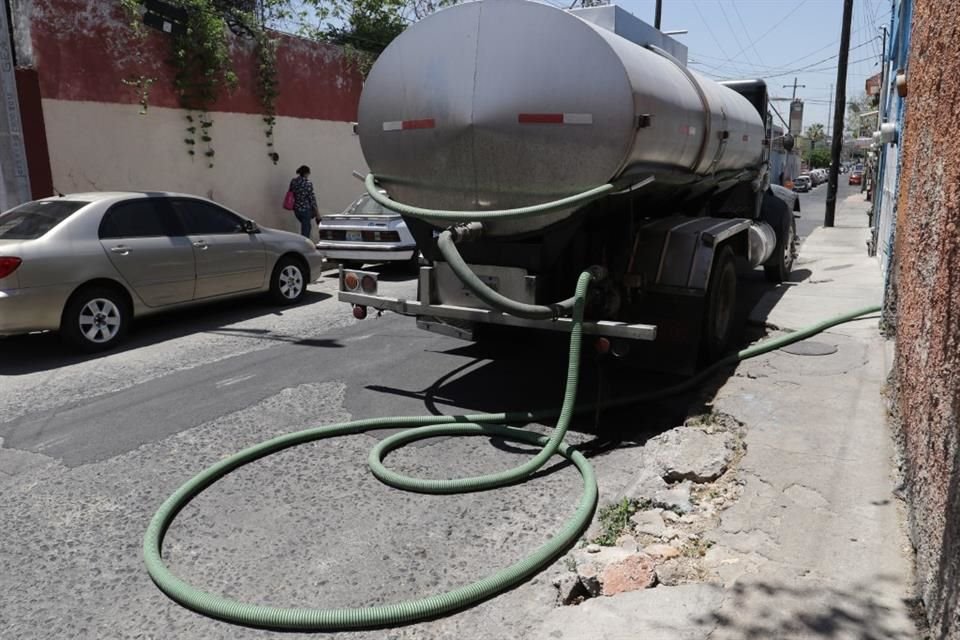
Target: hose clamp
466 231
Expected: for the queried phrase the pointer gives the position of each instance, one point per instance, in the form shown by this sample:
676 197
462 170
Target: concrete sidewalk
814 546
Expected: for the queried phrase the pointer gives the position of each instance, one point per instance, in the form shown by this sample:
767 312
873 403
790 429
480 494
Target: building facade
79 60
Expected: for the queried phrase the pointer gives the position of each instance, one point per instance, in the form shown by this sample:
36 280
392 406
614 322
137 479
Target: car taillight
8 265
381 236
369 284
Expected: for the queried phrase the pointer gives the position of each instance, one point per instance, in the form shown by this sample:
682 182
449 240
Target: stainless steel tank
504 103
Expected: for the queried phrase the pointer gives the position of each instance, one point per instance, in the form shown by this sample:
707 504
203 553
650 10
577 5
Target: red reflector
351 281
540 118
8 265
359 311
602 345
368 284
425 123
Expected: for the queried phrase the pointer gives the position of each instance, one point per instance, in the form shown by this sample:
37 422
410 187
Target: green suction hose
498 214
419 427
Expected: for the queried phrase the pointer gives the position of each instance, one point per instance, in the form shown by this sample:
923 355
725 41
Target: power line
717 42
778 67
761 37
746 32
810 67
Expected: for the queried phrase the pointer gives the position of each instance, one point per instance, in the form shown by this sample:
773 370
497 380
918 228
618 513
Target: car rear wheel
95 319
288 284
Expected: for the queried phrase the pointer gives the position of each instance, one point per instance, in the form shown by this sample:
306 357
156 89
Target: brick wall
927 255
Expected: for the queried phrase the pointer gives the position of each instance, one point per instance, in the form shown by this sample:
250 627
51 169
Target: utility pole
841 99
881 107
656 17
14 176
829 110
795 85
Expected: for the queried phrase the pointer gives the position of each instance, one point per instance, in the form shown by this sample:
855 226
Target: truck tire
720 308
777 214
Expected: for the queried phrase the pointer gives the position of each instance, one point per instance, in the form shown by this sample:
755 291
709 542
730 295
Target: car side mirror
249 226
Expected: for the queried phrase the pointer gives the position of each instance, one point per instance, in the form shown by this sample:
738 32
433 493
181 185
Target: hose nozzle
598 272
466 231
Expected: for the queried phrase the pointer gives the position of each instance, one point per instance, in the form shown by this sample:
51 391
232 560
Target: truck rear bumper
471 314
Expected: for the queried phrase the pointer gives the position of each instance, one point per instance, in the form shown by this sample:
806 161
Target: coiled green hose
419 427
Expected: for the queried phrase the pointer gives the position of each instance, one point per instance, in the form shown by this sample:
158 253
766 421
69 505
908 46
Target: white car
366 232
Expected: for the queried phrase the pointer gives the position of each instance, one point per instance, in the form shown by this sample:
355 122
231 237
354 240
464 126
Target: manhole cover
810 348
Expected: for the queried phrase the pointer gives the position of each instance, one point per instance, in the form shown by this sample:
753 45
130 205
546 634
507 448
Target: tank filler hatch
628 26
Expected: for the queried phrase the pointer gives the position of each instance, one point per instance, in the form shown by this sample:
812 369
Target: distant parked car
87 264
856 177
366 232
802 183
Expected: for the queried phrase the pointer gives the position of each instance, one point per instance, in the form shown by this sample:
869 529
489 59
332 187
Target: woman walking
304 200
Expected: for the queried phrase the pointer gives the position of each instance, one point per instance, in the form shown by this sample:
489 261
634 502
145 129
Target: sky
774 40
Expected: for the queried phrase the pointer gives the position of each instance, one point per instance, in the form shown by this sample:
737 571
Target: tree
818 158
367 30
856 126
815 133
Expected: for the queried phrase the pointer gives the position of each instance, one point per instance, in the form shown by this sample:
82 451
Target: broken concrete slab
647 482
614 570
675 498
633 573
649 523
663 613
689 453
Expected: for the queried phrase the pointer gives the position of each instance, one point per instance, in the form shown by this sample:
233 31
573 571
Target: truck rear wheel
721 302
777 269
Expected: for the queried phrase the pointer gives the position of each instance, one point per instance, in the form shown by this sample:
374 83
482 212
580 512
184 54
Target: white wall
98 146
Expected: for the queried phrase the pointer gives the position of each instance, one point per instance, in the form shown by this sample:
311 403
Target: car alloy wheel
288 282
99 321
291 282
95 318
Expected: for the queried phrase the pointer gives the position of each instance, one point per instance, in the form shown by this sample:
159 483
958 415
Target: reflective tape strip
555 118
578 118
402 125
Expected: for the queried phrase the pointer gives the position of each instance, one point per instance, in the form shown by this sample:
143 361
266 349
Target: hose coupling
598 272
466 231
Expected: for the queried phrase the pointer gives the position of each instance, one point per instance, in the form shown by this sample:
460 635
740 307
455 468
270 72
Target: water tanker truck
509 104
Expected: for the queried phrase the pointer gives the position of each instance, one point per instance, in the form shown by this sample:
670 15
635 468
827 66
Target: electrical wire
746 32
714 37
762 36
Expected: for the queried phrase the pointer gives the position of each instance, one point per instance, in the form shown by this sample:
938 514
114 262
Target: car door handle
201 244
122 250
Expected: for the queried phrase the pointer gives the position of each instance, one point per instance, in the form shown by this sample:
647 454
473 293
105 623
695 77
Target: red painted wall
82 49
34 133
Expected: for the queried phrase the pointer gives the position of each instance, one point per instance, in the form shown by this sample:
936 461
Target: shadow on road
769 610
21 355
515 370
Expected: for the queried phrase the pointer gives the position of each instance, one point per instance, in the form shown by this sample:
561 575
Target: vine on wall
267 89
203 67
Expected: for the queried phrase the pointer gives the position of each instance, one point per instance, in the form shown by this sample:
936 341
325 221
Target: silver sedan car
87 264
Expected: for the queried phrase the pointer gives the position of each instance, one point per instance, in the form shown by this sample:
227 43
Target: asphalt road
90 446
813 205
